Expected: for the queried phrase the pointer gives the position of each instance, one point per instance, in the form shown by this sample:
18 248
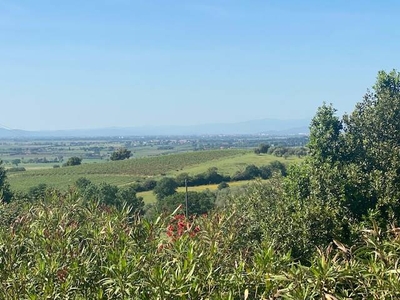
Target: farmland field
118 172
129 171
232 164
149 197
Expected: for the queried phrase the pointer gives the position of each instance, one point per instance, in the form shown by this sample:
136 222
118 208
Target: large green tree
5 191
121 154
198 202
372 137
165 187
325 135
353 170
73 161
355 162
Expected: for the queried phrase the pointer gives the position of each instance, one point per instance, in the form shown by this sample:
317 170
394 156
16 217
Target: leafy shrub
121 154
73 161
198 202
223 185
61 247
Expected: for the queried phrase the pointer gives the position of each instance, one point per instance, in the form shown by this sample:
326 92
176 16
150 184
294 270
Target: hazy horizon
3 126
119 63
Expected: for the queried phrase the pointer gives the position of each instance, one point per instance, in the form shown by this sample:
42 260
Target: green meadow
129 171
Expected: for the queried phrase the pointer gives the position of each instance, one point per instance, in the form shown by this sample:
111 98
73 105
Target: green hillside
129 171
117 172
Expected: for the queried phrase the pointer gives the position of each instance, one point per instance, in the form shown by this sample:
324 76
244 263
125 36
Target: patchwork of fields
129 171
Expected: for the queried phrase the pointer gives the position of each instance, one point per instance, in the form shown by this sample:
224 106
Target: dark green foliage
165 187
16 169
268 215
281 151
121 154
325 135
37 192
73 161
82 183
5 191
278 167
263 148
91 193
62 248
148 184
16 162
352 173
265 172
223 185
107 194
250 172
180 179
126 196
198 203
10 212
213 177
210 177
110 195
354 163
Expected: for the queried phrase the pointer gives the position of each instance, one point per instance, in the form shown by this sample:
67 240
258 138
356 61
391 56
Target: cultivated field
149 197
230 165
118 172
129 171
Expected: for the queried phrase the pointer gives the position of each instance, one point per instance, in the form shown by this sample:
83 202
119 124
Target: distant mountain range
264 126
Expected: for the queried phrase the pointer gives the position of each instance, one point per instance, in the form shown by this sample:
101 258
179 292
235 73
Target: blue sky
90 64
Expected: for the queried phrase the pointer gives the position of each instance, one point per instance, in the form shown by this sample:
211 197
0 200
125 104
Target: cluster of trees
281 151
35 160
250 172
5 190
16 161
211 176
121 154
110 195
44 160
73 161
264 172
168 199
104 194
263 148
350 178
16 169
355 161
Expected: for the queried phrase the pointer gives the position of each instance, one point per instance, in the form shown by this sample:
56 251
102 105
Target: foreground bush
63 248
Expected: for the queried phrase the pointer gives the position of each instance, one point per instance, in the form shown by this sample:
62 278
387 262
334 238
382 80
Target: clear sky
90 64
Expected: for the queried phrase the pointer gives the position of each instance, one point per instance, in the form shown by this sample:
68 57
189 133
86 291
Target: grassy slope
230 165
126 172
149 197
118 172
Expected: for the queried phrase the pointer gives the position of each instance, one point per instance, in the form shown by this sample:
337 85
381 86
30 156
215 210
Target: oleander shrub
62 247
